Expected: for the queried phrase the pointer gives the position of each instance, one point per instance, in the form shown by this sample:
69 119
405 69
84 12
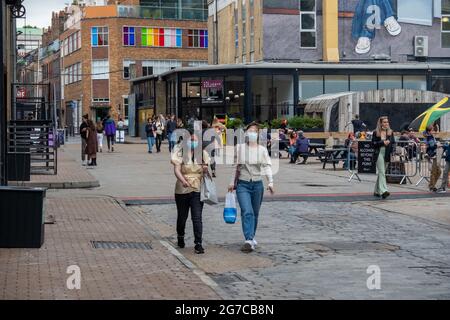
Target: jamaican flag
431 115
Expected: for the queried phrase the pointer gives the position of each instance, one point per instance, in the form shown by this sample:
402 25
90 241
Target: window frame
177 33
100 31
100 75
195 35
314 13
444 32
129 34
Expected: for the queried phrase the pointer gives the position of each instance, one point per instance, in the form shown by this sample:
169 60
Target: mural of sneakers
392 26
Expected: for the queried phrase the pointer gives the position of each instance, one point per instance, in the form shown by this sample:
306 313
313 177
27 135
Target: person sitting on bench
301 148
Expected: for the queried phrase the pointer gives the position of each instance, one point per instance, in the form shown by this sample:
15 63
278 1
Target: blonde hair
379 128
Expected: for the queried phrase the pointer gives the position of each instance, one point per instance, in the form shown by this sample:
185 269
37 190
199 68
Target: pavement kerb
59 185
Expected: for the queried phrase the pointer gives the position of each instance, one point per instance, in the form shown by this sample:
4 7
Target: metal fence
408 160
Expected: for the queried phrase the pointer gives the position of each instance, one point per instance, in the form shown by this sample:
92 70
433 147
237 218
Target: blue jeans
151 143
171 142
370 15
250 196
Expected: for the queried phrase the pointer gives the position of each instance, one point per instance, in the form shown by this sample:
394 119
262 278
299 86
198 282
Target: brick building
103 46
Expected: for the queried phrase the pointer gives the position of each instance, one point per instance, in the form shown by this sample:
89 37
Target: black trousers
158 142
184 203
110 141
298 154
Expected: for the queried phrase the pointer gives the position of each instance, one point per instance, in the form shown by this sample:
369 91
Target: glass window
161 37
415 11
363 83
415 82
129 36
235 96
336 84
159 66
198 38
445 20
126 68
100 69
441 84
308 23
310 86
389 82
100 36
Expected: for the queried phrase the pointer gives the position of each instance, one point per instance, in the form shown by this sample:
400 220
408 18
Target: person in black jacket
383 141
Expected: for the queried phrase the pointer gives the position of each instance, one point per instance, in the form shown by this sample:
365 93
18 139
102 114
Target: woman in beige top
253 162
189 172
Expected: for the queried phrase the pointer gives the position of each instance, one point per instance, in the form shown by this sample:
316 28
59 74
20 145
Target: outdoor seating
333 156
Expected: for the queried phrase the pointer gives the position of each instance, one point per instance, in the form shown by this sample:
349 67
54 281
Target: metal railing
160 12
37 138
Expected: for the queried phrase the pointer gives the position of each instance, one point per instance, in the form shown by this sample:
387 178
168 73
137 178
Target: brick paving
105 273
70 175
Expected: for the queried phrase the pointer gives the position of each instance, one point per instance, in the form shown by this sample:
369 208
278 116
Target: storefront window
389 82
310 86
363 83
336 84
235 96
262 96
415 83
284 95
441 84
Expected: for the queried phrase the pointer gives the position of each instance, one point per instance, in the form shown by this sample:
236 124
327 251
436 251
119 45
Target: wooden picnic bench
333 156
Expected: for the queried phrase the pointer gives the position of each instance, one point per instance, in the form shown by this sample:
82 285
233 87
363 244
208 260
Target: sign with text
212 84
366 157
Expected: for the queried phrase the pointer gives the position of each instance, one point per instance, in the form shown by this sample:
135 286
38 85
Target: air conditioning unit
421 46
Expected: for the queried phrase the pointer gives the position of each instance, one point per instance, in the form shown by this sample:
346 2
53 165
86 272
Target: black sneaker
199 249
385 195
441 190
181 243
376 195
433 189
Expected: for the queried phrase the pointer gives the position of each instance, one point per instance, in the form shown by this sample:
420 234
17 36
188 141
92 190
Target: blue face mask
252 136
194 144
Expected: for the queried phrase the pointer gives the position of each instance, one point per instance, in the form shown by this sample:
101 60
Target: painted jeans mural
369 16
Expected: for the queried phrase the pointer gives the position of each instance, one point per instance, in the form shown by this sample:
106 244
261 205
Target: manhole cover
121 245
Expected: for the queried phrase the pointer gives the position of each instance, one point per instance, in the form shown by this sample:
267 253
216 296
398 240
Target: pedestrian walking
171 126
150 130
252 163
110 132
100 136
432 158
189 172
383 142
83 135
444 184
91 143
159 133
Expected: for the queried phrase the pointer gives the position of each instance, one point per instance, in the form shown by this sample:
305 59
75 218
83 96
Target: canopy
431 115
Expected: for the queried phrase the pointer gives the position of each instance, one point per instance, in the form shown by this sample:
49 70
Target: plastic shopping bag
230 210
208 193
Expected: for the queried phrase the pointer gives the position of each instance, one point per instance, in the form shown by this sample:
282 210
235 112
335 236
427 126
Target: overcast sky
39 12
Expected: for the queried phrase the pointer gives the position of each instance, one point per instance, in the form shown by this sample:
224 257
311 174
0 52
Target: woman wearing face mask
189 173
253 162
383 141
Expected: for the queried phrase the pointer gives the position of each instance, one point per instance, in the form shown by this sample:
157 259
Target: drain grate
121 245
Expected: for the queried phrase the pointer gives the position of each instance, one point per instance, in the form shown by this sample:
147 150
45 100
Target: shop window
389 82
336 84
212 90
310 86
441 84
415 82
363 83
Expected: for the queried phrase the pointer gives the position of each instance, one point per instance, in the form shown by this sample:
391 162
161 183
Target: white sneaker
392 26
84 163
254 243
248 246
363 45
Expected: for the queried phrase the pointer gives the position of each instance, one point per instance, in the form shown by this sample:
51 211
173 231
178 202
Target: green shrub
276 123
236 123
305 123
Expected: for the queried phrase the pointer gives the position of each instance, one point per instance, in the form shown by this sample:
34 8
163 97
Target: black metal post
3 104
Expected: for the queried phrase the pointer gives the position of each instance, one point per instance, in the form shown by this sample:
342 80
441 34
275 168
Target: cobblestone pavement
320 251
105 273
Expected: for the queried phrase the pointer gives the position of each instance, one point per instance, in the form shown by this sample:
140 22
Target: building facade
104 46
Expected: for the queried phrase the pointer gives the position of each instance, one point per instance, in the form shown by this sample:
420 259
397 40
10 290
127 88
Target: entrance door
101 113
144 114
